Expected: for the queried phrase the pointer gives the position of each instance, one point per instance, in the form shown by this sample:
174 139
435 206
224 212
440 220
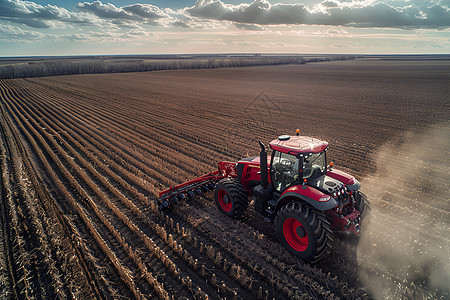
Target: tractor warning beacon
305 198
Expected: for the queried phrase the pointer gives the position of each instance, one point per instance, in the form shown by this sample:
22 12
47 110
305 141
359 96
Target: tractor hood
335 181
336 185
347 179
312 195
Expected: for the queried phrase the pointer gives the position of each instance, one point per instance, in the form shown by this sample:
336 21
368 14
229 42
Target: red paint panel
308 192
341 176
299 144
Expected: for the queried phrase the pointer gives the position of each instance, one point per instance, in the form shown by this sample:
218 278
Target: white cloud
212 24
145 13
38 16
330 12
14 34
251 27
334 31
342 45
247 16
330 4
103 37
105 10
219 42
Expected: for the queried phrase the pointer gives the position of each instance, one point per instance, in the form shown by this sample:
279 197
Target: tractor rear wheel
231 197
303 230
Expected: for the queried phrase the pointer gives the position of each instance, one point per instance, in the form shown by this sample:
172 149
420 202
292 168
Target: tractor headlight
324 198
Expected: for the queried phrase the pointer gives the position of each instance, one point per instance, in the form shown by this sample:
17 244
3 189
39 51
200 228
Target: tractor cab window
284 170
313 163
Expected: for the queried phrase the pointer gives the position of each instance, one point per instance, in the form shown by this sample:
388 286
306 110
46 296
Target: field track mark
199 279
70 235
86 166
157 119
103 243
59 150
102 141
9 276
109 116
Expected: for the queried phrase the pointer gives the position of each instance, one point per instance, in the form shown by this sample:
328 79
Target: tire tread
319 225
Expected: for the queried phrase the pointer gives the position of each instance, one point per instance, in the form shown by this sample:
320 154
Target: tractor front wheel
362 204
231 197
303 230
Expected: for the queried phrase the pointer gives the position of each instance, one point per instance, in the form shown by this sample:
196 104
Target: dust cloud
404 250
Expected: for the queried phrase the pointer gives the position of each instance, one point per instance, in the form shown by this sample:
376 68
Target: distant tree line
77 66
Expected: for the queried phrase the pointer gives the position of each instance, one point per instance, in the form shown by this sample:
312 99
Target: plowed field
84 157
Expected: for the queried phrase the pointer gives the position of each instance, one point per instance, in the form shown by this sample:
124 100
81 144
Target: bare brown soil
83 158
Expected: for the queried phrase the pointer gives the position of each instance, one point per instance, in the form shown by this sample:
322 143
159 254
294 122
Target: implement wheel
231 197
303 231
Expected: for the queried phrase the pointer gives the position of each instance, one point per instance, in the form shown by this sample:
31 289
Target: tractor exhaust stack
263 166
262 193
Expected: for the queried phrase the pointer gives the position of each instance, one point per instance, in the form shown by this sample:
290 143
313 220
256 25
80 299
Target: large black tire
362 204
231 197
303 230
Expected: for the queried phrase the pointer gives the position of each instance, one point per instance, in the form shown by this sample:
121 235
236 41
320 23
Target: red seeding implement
306 199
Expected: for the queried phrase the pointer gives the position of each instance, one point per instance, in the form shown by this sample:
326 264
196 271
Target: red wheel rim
295 234
224 201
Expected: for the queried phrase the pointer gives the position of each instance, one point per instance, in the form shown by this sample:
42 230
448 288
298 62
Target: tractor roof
298 144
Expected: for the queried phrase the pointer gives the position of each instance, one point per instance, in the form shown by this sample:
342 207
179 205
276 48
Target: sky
67 27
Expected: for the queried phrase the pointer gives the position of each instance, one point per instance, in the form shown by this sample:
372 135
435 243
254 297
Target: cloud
252 27
105 10
103 37
258 12
342 45
10 33
334 31
331 12
330 4
37 16
445 3
135 12
146 11
181 23
409 14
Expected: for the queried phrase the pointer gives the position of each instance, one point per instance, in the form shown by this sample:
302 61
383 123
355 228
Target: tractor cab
296 159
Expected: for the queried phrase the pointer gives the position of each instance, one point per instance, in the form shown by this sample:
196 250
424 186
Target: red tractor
306 199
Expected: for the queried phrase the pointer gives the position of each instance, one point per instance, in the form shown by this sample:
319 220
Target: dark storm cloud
261 12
